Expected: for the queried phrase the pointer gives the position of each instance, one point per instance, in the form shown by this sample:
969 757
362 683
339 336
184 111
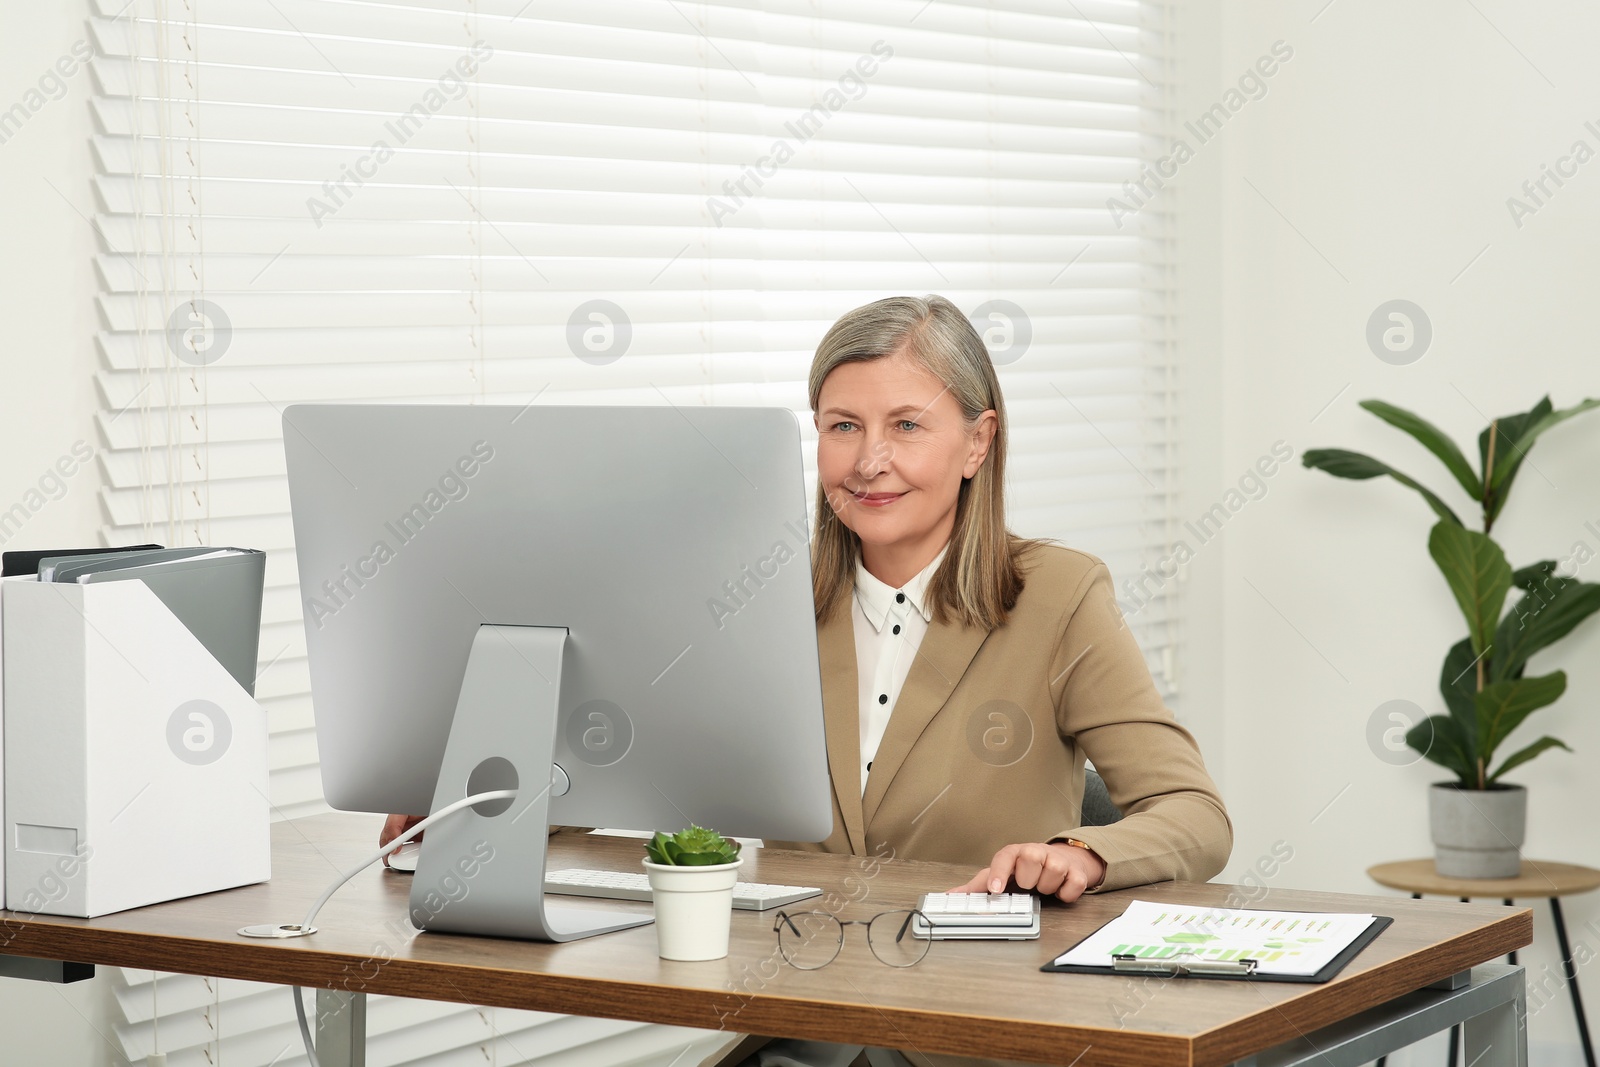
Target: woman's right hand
394 826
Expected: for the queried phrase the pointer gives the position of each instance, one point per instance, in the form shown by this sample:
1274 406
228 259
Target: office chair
1097 807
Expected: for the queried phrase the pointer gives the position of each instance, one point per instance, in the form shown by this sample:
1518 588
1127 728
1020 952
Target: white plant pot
694 908
1477 833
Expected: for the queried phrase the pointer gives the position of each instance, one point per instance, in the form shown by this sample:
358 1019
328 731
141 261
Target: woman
967 668
967 673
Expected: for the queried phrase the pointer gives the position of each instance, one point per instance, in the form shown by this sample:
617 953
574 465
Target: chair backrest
1097 807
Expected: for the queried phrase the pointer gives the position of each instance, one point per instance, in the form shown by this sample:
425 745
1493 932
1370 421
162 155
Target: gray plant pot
1477 833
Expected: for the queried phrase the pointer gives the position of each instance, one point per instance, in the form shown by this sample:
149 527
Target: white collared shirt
889 626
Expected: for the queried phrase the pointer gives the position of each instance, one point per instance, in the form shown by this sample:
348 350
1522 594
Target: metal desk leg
1499 1035
1491 999
1571 971
341 1028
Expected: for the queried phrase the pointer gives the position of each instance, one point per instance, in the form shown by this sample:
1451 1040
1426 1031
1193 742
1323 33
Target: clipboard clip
1178 966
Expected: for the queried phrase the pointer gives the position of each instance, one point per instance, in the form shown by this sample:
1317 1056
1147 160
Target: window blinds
619 201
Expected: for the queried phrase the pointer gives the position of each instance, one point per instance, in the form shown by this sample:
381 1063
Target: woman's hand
394 826
1062 871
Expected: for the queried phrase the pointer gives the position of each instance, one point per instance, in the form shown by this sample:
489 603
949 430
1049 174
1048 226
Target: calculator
978 916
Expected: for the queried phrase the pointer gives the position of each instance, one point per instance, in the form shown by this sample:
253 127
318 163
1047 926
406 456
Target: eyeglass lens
809 939
893 940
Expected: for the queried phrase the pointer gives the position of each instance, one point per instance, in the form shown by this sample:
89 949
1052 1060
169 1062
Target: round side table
1540 880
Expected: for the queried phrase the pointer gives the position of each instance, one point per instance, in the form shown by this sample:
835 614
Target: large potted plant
1478 820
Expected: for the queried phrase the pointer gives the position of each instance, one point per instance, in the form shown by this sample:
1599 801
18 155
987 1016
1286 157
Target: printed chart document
1283 943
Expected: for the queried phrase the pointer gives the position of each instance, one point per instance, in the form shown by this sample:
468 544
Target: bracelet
1075 843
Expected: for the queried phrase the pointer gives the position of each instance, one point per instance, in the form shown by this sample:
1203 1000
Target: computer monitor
615 599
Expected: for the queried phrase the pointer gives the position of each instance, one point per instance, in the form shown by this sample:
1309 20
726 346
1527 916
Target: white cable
156 1057
305 1029
448 809
392 846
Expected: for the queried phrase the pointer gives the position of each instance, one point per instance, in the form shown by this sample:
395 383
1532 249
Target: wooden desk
970 998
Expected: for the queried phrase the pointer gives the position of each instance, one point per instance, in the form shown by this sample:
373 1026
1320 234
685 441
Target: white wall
1377 167
47 398
46 271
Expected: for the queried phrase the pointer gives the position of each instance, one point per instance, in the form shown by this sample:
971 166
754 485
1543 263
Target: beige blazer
986 744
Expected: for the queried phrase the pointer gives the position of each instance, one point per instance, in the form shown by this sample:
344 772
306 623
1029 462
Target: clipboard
1228 970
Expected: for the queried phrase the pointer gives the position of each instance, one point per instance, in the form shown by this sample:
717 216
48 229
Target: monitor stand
481 871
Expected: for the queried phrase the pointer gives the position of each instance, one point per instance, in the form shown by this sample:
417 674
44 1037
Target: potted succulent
1478 820
692 874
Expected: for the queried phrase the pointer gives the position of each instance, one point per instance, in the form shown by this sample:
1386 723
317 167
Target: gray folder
218 599
67 568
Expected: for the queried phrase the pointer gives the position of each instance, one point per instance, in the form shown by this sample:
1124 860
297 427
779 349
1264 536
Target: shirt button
899 598
896 627
883 698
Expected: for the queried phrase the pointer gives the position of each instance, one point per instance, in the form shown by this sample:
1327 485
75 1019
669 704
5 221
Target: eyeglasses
811 939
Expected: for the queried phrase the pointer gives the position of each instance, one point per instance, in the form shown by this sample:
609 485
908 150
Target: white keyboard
620 885
951 916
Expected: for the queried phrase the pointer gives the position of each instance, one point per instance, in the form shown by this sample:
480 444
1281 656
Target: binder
1192 966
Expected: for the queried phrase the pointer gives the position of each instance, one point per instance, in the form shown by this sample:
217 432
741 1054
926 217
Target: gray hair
980 577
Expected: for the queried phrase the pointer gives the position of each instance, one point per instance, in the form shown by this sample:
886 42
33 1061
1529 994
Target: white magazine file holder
135 765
